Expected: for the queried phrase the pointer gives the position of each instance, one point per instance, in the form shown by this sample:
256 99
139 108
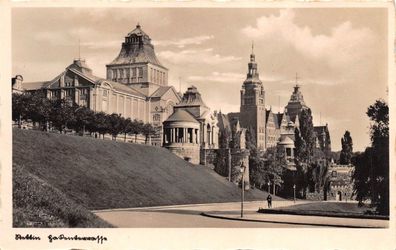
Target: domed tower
137 65
252 111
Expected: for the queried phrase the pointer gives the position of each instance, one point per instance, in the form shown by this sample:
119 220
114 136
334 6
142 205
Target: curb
282 222
303 213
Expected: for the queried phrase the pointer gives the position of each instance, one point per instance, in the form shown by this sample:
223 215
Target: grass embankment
101 174
331 209
38 204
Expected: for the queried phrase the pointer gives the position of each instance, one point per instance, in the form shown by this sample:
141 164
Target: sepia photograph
193 117
191 126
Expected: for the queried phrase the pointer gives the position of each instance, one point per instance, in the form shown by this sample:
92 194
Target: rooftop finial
138 25
252 57
297 86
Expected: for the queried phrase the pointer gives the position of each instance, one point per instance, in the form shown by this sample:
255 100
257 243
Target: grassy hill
99 174
38 204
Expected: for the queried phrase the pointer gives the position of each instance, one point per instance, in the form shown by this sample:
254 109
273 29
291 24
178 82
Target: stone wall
340 193
223 161
188 153
208 157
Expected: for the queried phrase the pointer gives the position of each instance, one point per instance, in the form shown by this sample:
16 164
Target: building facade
191 131
341 184
136 85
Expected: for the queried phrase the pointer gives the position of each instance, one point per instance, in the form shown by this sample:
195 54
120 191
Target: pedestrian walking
269 201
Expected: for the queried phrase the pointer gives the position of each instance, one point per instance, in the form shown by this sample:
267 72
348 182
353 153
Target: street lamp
294 193
269 183
243 187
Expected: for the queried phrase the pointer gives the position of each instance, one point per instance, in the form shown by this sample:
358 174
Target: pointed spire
252 56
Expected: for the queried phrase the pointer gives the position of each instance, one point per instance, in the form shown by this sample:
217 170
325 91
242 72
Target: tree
116 125
83 119
255 161
61 114
301 165
137 127
147 131
371 176
307 133
39 108
347 149
101 123
20 107
305 149
361 175
274 165
126 127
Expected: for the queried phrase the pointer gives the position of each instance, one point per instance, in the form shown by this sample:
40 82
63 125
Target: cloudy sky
340 55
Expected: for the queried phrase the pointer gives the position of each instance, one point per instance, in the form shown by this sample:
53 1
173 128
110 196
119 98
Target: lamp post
294 193
243 187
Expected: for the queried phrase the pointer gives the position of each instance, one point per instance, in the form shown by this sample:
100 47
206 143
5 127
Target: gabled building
272 131
77 84
136 85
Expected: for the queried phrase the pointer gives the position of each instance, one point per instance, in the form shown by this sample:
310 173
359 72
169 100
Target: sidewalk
250 214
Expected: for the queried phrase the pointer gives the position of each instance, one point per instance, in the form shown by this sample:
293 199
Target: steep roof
138 31
297 95
139 50
286 140
192 98
160 91
121 87
223 122
180 115
98 80
79 68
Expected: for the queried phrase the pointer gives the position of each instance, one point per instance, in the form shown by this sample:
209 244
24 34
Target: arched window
208 134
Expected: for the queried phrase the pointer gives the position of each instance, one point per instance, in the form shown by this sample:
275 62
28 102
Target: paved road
222 215
187 216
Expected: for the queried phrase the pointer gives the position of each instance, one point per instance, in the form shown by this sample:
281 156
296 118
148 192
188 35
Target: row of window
157 76
69 93
133 39
127 73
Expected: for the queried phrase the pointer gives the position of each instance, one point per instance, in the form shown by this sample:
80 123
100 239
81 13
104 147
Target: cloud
196 56
181 43
219 77
54 38
342 46
102 44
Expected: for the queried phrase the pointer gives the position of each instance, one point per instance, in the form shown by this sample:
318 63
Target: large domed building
136 86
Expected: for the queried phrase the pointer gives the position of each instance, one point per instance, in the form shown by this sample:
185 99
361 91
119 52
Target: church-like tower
252 112
295 104
137 65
